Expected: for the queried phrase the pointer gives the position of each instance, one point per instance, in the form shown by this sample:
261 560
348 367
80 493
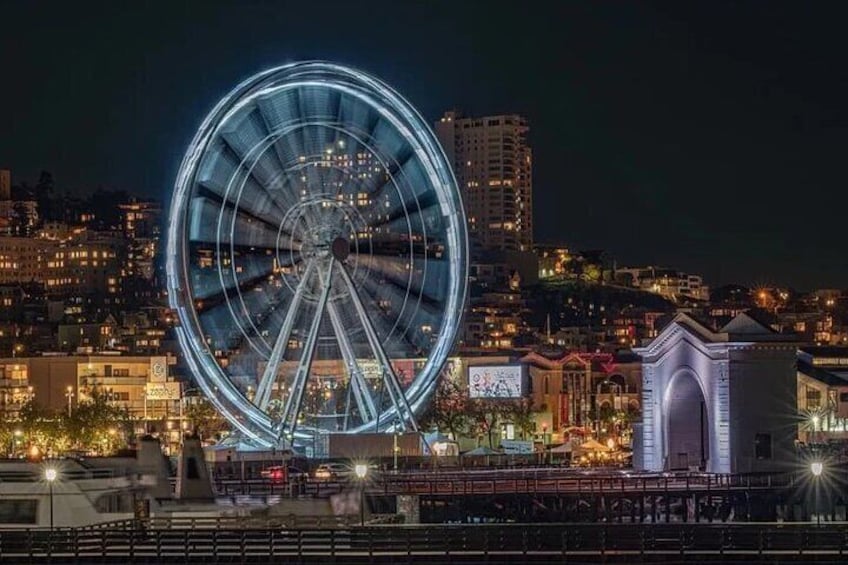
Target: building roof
825 351
828 377
742 329
745 323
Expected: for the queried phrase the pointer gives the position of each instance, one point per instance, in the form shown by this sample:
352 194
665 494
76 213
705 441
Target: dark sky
705 136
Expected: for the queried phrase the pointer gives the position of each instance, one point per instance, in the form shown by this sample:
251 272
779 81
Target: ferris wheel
316 256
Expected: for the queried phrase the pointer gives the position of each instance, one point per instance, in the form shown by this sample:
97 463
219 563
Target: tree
96 424
204 419
521 413
448 412
486 414
43 429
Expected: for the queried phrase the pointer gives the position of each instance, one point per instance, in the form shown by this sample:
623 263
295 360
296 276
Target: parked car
333 472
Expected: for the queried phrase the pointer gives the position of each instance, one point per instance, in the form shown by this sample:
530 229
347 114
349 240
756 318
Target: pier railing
149 540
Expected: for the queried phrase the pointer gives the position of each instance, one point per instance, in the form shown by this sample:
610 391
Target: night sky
708 137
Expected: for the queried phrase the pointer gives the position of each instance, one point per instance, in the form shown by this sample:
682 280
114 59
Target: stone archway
686 424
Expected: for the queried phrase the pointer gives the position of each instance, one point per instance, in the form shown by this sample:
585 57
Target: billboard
163 391
516 447
496 381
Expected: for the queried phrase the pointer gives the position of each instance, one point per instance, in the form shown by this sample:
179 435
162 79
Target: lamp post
51 475
361 471
395 450
815 422
816 467
69 394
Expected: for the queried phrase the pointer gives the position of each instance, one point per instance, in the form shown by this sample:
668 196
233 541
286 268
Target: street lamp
816 467
395 449
361 471
69 394
815 421
50 474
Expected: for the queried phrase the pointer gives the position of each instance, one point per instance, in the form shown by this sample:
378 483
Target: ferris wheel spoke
397 215
364 400
225 171
224 224
294 401
258 170
387 326
236 227
415 318
209 285
396 393
269 375
389 171
424 282
284 188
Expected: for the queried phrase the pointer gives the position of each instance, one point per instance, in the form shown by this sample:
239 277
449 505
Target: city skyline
664 134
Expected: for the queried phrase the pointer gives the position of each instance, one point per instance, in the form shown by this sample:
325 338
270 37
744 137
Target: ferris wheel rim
260 426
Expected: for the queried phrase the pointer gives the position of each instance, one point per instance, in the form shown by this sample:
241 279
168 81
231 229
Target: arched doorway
687 426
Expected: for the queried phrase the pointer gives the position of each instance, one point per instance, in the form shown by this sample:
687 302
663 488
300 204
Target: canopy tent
594 445
564 448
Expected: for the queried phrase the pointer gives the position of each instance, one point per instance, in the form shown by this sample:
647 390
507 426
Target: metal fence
222 541
529 481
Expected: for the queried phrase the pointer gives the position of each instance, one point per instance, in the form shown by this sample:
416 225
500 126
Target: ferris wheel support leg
291 411
364 402
404 411
269 376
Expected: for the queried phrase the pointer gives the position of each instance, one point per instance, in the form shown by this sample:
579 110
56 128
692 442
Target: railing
800 542
529 481
67 475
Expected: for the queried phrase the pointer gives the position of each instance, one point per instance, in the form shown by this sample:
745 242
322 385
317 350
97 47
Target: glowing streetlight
395 450
361 471
816 468
50 475
69 394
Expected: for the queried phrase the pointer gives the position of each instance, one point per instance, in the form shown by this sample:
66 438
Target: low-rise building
822 394
141 384
669 283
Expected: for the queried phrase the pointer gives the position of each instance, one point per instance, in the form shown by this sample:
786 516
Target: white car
333 472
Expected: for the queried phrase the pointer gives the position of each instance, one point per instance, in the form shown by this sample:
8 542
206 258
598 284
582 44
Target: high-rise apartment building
493 167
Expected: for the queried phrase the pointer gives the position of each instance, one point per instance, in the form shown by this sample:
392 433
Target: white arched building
723 401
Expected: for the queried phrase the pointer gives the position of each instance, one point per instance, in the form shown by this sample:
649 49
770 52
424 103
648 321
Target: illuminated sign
496 381
158 370
163 391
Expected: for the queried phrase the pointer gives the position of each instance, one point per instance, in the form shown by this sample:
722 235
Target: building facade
141 384
719 401
493 167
